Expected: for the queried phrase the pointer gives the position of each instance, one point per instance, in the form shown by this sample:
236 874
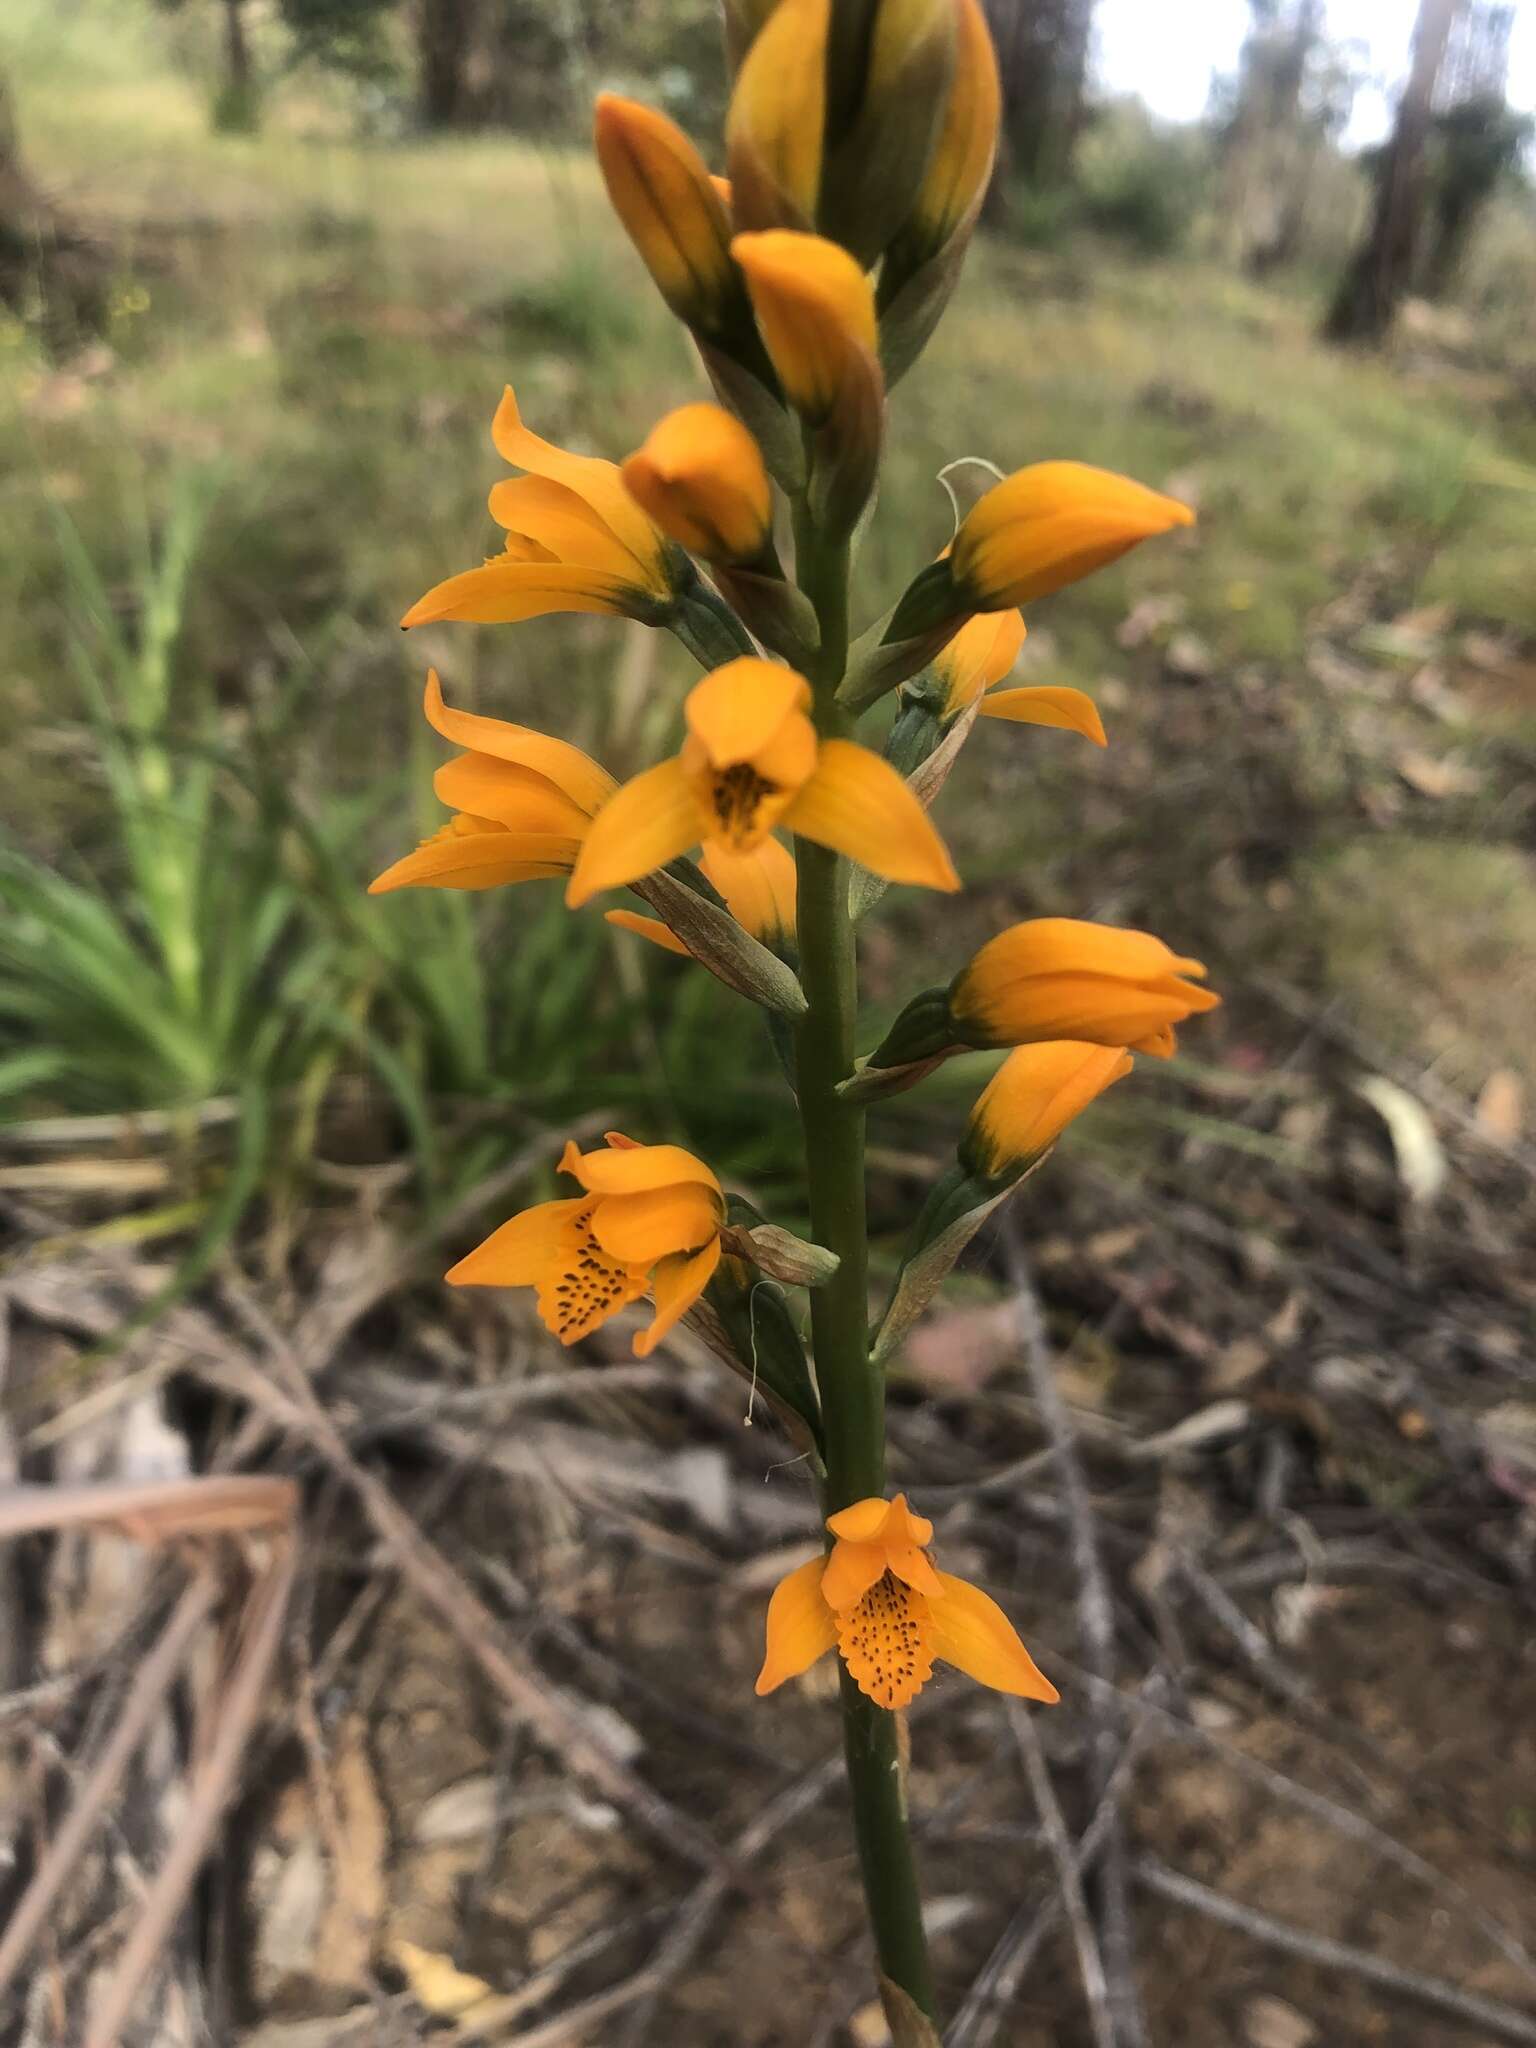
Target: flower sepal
930 602
958 1204
924 1030
779 613
715 939
773 1250
882 658
747 385
746 1321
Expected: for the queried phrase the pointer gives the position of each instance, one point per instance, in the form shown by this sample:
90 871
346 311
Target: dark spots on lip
886 1641
591 1287
735 797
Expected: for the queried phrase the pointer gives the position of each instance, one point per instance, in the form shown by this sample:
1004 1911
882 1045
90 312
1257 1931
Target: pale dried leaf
1271 2023
1437 778
1149 615
1206 1426
910 2027
459 1812
358 1896
1421 1162
437 1984
1190 656
1500 1111
869 2027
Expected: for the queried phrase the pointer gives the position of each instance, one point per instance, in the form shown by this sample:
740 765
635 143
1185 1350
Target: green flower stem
852 1387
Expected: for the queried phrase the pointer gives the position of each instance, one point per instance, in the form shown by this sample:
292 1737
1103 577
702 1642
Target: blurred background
265 266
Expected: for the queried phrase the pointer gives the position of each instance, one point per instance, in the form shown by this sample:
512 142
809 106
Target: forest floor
509 1782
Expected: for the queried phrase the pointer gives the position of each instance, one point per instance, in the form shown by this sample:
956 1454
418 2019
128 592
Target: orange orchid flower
576 542
523 803
879 1601
1064 978
648 1220
753 760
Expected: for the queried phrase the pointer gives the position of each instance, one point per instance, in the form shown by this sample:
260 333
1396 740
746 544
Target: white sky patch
1170 54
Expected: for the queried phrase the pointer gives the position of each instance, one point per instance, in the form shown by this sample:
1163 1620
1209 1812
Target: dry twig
1465 2007
1096 1627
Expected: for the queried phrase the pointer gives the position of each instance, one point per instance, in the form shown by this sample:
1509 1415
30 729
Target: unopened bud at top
662 191
960 165
743 19
773 130
890 67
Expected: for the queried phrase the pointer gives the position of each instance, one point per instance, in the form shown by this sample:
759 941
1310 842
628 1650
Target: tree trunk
235 109
1042 58
1452 232
1382 268
45 262
444 37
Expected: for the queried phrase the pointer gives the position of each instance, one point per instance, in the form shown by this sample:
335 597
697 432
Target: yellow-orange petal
851 1570
700 475
583 781
1075 945
862 1522
980 654
759 887
503 592
773 128
816 309
913 1567
647 823
902 1526
591 477
1097 1009
1161 1044
738 709
858 804
627 1169
523 1251
1048 704
650 928
656 1222
514 796
961 163
676 1285
564 525
972 1632
1031 1099
458 859
801 1627
1047 525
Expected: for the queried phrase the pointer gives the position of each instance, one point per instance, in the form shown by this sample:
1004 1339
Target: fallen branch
157 1513
1090 1963
1466 2007
1096 1628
